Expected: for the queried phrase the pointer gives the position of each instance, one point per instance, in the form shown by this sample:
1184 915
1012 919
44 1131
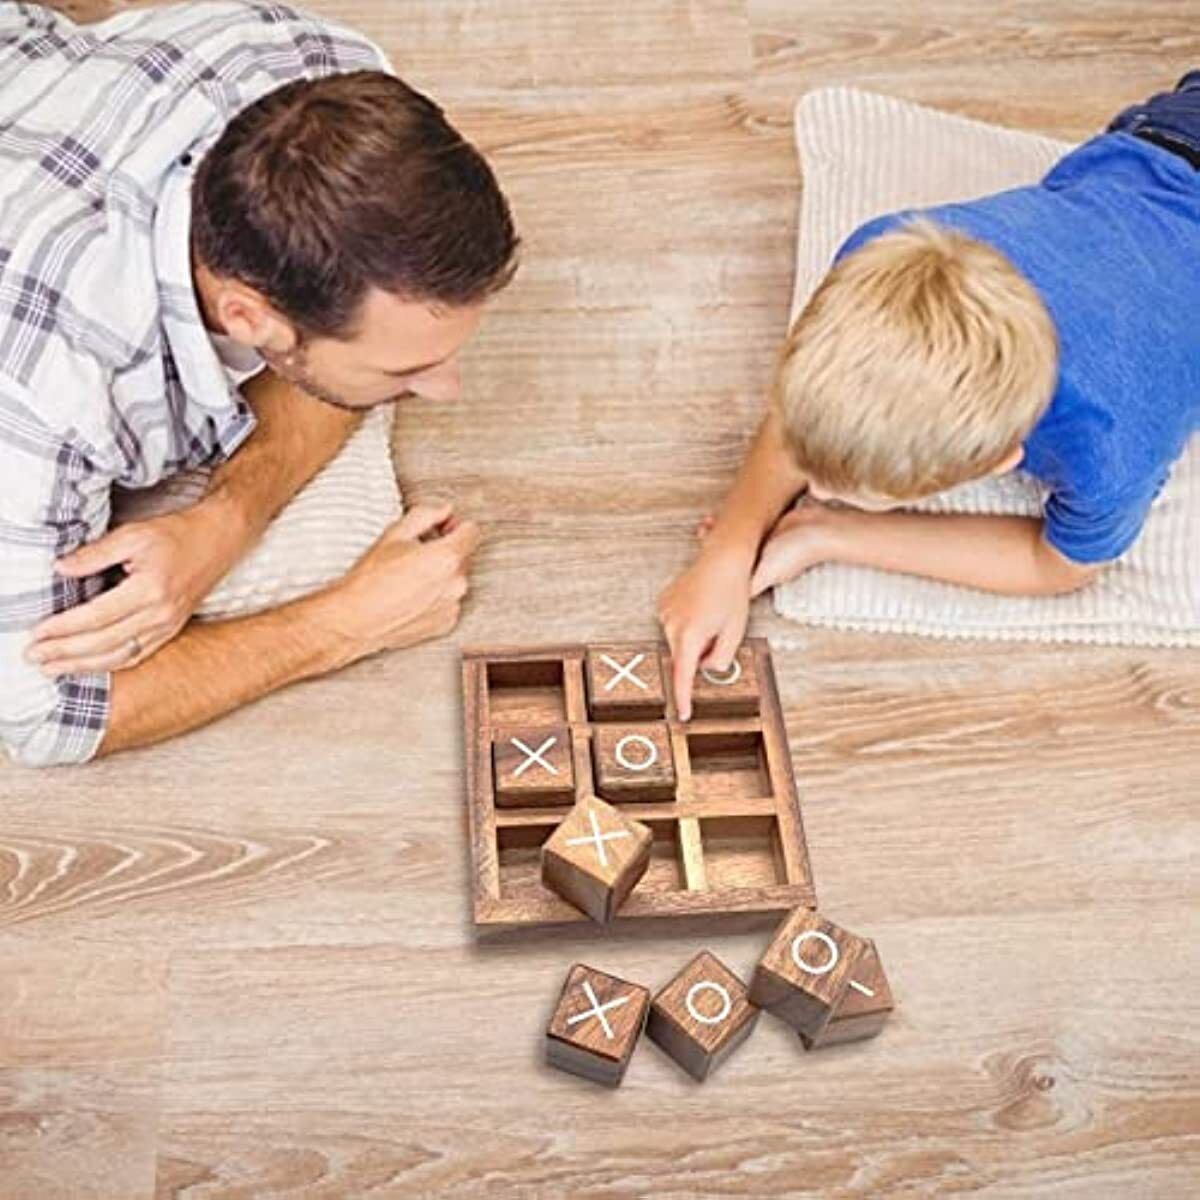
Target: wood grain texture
273 914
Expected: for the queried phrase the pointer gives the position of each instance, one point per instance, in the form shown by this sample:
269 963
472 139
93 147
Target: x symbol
534 756
598 838
598 1010
623 672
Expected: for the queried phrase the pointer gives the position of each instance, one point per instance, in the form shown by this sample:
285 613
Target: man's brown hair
324 188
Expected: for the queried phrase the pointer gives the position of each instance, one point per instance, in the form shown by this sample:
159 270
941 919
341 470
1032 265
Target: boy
1054 326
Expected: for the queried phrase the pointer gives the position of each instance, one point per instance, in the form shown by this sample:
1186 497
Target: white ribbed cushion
316 538
862 155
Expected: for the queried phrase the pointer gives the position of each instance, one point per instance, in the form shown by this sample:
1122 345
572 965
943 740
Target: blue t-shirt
1110 239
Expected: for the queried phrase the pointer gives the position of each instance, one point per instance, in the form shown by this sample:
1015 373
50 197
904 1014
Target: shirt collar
211 408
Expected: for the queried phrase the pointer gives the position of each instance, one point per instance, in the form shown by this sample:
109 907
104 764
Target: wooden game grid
716 850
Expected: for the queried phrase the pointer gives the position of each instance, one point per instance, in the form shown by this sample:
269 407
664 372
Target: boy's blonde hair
923 360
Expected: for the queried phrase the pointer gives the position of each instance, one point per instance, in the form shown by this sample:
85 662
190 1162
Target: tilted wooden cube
702 1016
806 970
595 857
533 766
625 683
634 762
863 1010
596 1024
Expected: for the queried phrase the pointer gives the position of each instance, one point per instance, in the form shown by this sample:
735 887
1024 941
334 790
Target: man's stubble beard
293 366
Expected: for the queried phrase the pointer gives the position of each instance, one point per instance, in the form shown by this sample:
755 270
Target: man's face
403 348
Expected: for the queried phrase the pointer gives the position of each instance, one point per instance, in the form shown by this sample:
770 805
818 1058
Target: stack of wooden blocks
825 982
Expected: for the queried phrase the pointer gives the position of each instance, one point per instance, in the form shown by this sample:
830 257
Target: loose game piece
634 762
596 1024
806 970
728 836
702 1016
533 766
863 1010
625 683
595 857
733 693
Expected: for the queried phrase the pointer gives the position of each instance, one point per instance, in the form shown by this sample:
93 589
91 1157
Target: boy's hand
801 539
704 615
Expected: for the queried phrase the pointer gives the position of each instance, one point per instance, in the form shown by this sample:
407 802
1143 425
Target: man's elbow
48 742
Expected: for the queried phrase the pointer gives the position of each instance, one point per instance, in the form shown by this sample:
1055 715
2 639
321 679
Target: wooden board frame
497 833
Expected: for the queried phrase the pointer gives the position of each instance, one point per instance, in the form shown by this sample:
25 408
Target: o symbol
645 743
723 679
707 986
826 941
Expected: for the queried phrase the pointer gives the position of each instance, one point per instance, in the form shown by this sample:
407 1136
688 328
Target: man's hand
407 588
171 563
704 615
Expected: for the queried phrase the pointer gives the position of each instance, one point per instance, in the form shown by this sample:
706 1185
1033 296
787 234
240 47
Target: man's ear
1010 461
249 318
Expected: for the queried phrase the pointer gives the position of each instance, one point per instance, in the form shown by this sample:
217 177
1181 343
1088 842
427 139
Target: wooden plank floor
241 965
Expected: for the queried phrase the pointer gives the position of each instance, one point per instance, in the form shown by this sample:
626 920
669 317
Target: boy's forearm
212 668
295 437
1007 555
767 482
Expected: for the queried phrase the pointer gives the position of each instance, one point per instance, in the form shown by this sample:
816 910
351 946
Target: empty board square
728 765
625 683
596 1024
533 766
734 693
526 692
634 762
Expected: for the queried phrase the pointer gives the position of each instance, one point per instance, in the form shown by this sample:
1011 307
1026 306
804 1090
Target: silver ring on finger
135 648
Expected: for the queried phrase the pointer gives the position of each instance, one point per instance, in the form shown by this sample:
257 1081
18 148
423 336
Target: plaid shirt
107 374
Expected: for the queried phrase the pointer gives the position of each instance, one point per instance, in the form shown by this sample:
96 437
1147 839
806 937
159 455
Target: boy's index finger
687 659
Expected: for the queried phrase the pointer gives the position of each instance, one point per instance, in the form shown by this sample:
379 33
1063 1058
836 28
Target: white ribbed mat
862 155
314 540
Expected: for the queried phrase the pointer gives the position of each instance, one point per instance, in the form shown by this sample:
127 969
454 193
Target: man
216 220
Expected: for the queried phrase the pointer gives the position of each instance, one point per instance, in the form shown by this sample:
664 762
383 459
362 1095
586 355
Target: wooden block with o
806 970
634 762
702 1016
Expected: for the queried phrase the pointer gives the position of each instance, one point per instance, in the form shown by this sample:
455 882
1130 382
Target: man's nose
441 383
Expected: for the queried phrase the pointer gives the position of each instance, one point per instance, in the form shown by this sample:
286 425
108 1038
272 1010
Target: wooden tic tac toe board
547 726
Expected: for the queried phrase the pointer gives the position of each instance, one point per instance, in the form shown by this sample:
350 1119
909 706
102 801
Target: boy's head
922 361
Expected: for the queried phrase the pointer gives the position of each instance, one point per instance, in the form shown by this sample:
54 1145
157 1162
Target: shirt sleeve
44 498
1096 528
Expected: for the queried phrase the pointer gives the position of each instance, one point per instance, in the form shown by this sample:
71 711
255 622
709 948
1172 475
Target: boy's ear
1009 462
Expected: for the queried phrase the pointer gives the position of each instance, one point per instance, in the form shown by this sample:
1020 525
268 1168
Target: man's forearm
212 668
1007 555
295 437
767 482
